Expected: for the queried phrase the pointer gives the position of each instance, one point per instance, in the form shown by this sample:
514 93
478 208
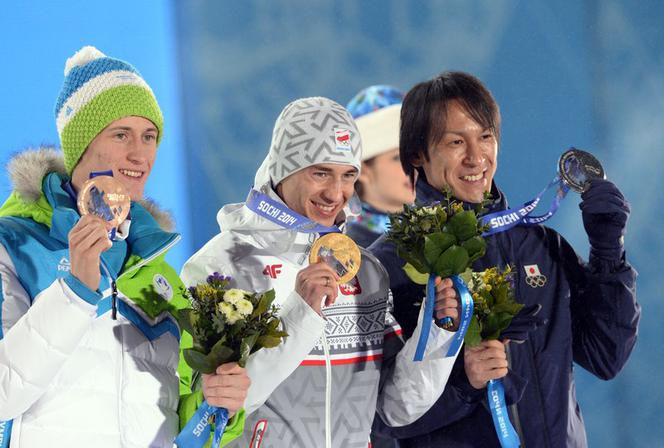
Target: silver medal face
576 168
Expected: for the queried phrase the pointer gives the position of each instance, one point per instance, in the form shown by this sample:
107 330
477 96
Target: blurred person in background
383 187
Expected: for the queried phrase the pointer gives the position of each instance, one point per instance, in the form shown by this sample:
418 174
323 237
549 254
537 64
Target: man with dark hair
450 129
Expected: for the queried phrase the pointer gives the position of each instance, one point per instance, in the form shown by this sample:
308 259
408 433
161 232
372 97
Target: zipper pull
114 300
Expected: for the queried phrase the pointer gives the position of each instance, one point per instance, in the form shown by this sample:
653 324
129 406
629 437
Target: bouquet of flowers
494 304
444 239
227 325
441 239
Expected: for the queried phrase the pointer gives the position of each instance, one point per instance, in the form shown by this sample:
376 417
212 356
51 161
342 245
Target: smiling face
319 192
465 158
128 147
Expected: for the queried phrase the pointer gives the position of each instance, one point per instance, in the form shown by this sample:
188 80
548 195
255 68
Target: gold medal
106 197
340 253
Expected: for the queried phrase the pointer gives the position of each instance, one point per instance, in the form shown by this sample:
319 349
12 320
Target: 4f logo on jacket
272 270
534 277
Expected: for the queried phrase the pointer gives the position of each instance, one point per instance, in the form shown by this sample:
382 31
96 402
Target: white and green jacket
69 374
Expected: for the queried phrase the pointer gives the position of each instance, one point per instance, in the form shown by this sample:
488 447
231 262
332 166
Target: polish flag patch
342 139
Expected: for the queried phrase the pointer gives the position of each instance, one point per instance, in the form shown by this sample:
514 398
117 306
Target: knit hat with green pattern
97 91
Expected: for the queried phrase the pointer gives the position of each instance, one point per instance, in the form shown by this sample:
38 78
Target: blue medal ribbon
466 315
5 432
501 421
197 430
280 214
506 219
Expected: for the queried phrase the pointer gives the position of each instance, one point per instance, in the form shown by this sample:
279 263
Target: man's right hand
87 240
315 282
487 361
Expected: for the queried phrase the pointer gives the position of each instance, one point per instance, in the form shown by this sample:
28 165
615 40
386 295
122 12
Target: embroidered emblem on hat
534 278
162 286
342 139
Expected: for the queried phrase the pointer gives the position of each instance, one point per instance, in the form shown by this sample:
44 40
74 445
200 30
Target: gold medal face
340 253
106 197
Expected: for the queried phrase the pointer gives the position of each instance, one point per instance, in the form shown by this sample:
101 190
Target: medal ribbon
501 421
506 219
280 214
5 432
466 315
197 430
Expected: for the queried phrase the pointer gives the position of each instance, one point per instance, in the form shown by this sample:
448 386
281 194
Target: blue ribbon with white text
197 430
429 302
506 219
5 432
280 214
501 421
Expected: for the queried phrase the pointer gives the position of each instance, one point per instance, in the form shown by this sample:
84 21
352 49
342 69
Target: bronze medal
577 167
340 253
106 197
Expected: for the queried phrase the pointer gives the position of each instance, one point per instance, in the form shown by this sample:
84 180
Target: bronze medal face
340 253
106 197
577 167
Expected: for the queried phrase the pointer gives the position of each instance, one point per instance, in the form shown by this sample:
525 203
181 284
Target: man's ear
418 160
365 174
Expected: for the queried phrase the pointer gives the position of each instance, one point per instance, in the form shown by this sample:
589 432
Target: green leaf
442 215
463 225
264 303
415 275
187 319
495 324
451 262
198 361
435 244
268 341
413 259
245 348
473 337
476 247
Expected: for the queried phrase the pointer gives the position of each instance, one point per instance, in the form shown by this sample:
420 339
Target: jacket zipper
113 280
328 393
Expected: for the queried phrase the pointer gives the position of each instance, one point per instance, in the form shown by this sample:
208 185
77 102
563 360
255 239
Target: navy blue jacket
592 318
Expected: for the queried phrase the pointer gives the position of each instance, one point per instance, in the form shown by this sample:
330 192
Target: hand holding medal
334 259
105 197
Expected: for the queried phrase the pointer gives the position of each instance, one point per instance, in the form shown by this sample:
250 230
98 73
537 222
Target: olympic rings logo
536 281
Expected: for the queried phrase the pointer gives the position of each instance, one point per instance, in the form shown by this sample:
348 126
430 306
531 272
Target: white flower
244 307
226 309
233 295
233 317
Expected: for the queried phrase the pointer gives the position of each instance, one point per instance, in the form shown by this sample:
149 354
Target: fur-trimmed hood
28 168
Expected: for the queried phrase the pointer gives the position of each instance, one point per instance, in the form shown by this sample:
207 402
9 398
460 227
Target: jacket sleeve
37 338
408 388
605 313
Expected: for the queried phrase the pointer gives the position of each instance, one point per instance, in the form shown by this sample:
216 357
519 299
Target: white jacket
323 385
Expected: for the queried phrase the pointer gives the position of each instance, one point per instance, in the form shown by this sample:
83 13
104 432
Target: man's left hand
605 212
447 302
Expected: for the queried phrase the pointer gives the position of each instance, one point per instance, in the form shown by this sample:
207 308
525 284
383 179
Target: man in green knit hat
89 347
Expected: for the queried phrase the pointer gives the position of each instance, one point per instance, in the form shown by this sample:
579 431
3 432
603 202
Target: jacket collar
145 237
